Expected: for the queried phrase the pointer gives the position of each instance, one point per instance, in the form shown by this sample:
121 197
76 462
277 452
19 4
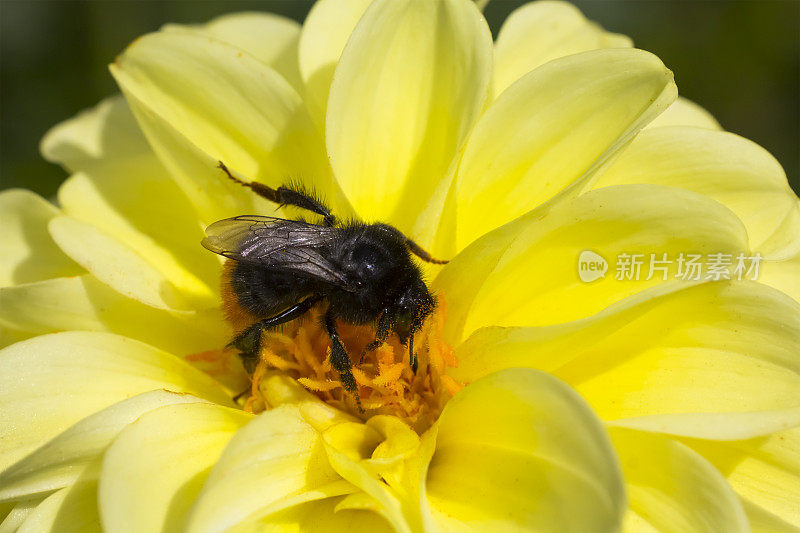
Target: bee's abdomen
261 292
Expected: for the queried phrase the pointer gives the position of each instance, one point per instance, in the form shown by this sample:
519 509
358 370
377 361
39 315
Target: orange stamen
386 383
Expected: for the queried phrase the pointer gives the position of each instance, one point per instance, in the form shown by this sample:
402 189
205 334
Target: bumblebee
363 273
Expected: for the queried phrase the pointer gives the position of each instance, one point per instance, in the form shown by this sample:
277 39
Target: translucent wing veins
288 245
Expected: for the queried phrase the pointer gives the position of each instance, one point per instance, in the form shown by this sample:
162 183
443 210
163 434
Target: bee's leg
285 196
249 341
241 395
411 356
385 325
340 360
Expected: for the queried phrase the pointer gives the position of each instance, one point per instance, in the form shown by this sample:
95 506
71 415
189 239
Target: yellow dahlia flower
636 400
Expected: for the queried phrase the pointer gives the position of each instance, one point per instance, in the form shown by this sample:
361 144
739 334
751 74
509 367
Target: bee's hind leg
340 360
248 342
286 195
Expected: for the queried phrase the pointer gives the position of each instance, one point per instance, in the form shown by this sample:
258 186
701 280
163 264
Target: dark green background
739 59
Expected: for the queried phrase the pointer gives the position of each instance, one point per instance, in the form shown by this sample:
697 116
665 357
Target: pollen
386 383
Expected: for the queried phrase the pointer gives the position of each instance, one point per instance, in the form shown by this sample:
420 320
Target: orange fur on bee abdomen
238 317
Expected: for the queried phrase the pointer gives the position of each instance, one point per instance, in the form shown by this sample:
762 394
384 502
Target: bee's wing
288 245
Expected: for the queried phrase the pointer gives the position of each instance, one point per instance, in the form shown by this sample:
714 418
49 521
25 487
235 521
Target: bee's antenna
417 250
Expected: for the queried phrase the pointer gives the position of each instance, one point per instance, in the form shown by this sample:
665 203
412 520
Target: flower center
386 383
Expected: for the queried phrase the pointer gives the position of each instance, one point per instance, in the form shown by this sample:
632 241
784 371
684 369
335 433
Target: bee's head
413 306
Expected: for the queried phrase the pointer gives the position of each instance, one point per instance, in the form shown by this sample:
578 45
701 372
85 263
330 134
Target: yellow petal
349 447
102 137
28 252
552 130
270 465
673 354
539 32
526 273
783 275
75 452
279 389
387 461
123 190
196 172
17 514
762 521
251 117
764 471
323 37
673 488
684 112
784 243
519 450
155 469
784 272
122 267
73 509
408 88
730 169
83 303
270 38
144 209
324 516
64 377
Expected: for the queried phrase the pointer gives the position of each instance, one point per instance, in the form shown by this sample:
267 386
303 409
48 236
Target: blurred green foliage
739 59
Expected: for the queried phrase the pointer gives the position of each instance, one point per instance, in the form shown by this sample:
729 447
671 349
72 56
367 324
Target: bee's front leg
340 360
385 326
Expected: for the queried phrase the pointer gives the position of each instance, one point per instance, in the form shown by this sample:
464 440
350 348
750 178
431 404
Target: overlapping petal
64 377
252 481
526 273
75 453
730 169
541 31
176 445
373 457
17 513
552 130
783 275
508 456
251 119
309 517
526 469
410 84
684 112
270 38
84 303
71 509
99 138
120 266
673 489
674 355
764 471
122 195
322 40
29 253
